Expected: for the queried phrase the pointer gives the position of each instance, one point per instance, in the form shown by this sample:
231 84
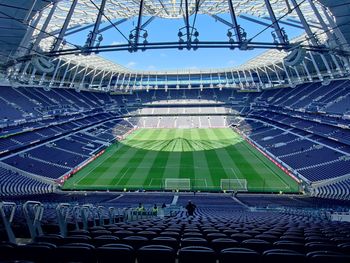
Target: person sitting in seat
140 209
155 210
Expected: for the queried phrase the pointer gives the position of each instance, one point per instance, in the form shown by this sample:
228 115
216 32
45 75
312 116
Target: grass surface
148 156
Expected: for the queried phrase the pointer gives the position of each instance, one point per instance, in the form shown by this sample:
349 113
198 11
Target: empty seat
156 254
193 254
212 236
230 255
50 238
192 234
147 234
135 241
104 240
121 252
75 252
286 244
7 251
327 256
319 246
282 255
267 237
37 252
97 233
222 243
344 248
240 236
166 241
256 244
77 239
123 233
193 241
170 234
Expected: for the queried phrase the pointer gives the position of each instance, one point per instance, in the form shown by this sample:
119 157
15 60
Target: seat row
87 253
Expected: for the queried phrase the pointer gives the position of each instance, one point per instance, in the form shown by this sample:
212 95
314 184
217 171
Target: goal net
177 184
234 185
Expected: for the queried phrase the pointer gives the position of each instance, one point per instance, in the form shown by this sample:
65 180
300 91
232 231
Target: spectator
190 207
155 210
140 208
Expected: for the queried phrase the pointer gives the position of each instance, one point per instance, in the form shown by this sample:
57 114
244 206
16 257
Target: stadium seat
104 240
230 255
285 244
222 243
135 241
282 255
327 256
7 251
124 253
166 241
193 241
36 252
256 244
156 254
197 254
75 252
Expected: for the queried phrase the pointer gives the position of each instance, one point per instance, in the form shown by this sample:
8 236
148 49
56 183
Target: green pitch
148 156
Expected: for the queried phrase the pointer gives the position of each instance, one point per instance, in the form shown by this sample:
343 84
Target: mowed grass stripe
201 168
131 165
231 168
142 171
216 170
186 161
99 169
278 178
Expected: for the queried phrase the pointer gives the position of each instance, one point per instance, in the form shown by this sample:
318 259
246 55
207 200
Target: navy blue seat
197 254
156 254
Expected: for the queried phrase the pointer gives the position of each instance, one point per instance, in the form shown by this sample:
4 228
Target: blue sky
172 59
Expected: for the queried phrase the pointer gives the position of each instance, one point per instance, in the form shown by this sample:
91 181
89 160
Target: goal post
183 184
234 185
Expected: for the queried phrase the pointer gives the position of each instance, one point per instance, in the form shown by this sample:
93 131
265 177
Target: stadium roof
16 16
86 12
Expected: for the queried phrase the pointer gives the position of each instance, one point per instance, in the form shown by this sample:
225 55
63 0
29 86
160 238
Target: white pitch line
122 176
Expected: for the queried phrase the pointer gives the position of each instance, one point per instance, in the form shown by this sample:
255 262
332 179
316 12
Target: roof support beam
139 24
326 30
224 21
98 22
275 24
286 23
65 26
113 25
234 21
148 22
44 27
187 21
312 39
254 20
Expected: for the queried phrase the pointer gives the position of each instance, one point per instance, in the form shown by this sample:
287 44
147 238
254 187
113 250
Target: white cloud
131 64
231 63
116 43
151 67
